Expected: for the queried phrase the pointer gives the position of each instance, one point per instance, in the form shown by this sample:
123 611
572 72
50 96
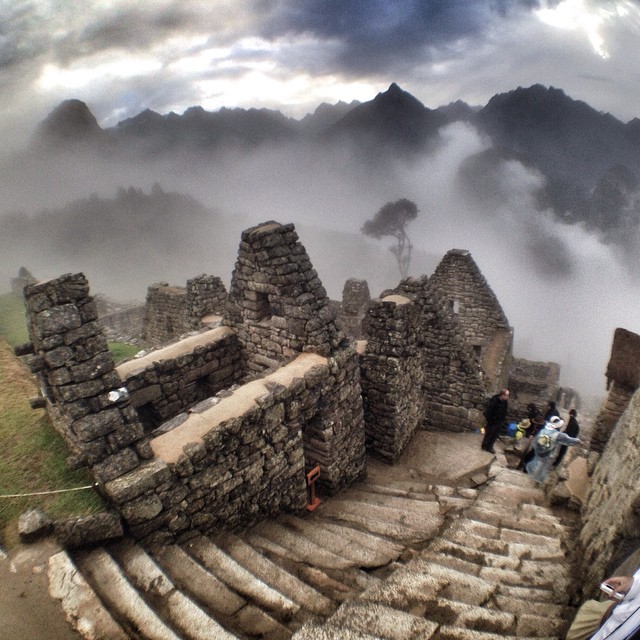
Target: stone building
217 430
534 382
173 311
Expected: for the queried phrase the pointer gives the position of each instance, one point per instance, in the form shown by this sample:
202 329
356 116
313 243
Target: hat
526 423
556 422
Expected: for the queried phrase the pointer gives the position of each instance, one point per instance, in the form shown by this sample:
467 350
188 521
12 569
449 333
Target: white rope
47 493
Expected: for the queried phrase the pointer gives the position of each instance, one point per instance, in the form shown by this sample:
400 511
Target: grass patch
122 351
33 454
13 321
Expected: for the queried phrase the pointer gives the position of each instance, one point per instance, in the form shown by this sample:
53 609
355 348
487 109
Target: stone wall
393 372
166 314
170 312
352 312
532 382
166 382
77 376
277 303
125 324
611 513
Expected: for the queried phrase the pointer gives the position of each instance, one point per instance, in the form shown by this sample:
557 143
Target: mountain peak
71 121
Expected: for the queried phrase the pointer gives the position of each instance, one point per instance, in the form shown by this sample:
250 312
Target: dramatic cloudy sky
122 56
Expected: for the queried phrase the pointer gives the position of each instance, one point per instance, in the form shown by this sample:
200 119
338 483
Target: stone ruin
219 429
23 279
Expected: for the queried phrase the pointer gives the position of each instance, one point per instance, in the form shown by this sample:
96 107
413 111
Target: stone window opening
264 311
149 417
455 306
477 349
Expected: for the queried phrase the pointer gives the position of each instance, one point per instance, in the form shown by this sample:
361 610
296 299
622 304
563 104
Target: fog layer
562 289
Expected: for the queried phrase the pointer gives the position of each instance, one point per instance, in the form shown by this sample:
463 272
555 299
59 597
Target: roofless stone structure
218 429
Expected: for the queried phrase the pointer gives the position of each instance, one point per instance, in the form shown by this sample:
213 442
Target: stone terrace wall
393 375
277 303
77 375
611 513
166 382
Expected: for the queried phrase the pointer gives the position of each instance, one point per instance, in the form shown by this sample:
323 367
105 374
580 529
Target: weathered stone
86 531
34 524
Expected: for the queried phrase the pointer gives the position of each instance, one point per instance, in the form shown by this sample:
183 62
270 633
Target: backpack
545 443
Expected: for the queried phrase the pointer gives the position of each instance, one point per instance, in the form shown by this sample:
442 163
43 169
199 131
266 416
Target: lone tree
391 220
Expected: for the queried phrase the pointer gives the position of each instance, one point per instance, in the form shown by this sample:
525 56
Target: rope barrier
47 493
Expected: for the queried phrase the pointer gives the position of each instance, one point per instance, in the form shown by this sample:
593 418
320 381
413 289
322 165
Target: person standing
495 415
551 411
573 429
545 447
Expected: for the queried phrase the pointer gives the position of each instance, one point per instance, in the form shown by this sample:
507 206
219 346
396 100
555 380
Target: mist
562 288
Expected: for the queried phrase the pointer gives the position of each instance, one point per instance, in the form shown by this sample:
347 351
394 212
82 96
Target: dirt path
26 609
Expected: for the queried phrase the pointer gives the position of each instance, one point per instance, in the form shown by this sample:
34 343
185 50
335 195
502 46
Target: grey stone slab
275 576
120 596
184 614
83 609
193 578
382 622
238 578
386 521
340 543
303 548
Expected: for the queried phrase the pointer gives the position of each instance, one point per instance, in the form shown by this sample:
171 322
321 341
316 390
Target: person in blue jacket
545 447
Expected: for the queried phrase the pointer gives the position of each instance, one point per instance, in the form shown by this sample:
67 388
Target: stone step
384 550
381 621
83 609
425 493
303 548
472 554
182 612
409 506
239 579
274 575
340 542
321 632
384 521
124 602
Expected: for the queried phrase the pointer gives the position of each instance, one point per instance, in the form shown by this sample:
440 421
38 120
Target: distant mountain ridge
574 147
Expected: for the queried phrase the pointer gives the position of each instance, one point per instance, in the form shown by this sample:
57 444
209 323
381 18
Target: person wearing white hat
545 447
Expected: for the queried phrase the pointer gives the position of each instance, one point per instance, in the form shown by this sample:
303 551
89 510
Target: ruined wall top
624 364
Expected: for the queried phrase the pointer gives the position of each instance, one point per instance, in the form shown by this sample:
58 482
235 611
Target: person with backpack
545 447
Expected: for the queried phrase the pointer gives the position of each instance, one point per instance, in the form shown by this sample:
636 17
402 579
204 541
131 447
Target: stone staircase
396 559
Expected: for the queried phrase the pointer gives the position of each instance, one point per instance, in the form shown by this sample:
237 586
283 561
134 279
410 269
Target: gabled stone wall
460 283
277 303
532 382
352 312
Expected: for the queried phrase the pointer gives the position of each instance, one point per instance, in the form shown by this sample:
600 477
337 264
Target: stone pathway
394 557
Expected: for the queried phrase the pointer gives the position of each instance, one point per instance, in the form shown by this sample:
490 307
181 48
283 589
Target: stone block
146 477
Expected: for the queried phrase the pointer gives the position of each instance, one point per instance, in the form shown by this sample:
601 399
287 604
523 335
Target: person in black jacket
573 429
495 415
551 411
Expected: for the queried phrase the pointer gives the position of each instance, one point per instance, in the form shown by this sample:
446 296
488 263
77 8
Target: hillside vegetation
34 455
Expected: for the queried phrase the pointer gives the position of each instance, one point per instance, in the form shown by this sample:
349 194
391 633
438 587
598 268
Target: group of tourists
544 437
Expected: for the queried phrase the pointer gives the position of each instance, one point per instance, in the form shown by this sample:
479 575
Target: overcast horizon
121 57
564 289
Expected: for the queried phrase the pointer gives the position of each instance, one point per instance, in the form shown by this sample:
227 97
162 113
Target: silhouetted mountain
71 123
198 130
572 146
394 121
324 116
